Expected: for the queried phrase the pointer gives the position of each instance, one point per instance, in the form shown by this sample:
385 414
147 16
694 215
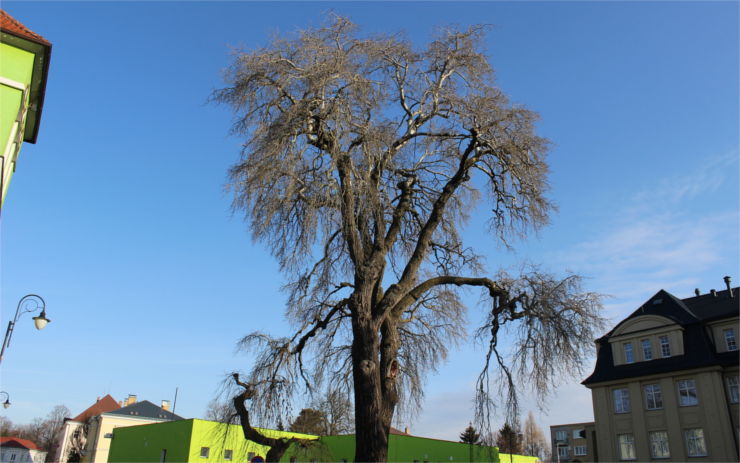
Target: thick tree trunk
374 366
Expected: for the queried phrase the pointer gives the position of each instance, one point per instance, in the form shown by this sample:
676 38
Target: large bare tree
362 161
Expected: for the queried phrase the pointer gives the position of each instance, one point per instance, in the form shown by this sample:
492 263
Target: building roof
145 409
15 34
106 404
17 442
691 314
12 26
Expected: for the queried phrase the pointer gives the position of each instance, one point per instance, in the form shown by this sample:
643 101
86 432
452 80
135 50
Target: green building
211 442
24 66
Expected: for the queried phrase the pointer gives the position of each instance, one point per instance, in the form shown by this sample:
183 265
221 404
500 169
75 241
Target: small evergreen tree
509 440
470 435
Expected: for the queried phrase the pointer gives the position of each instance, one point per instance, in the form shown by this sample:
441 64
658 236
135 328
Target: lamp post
29 303
6 404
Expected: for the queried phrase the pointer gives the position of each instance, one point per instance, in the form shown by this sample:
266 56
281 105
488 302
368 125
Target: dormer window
629 355
730 340
647 350
665 346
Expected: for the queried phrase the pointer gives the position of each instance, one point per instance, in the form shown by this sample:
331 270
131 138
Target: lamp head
6 404
41 320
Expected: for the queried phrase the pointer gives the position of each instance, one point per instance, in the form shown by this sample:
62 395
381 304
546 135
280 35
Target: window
204 452
730 338
665 346
579 450
621 400
647 350
659 444
653 397
563 451
626 447
250 455
294 460
579 434
629 356
227 454
732 389
561 436
687 392
163 456
695 445
12 457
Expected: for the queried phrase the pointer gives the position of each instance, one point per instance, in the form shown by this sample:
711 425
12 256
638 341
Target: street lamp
29 303
6 404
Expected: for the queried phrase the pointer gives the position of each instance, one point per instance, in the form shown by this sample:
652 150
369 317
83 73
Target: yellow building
665 385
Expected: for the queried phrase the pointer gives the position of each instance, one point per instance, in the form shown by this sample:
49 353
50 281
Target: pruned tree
534 442
363 159
470 435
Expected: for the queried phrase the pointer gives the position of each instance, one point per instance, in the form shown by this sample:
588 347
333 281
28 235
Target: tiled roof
691 313
106 404
17 443
146 409
13 26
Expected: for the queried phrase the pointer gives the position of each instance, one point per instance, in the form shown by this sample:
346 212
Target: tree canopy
363 158
470 436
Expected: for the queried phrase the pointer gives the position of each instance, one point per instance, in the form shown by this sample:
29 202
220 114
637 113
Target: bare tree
216 410
534 442
363 160
337 411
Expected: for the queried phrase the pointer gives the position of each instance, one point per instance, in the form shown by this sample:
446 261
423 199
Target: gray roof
146 409
692 314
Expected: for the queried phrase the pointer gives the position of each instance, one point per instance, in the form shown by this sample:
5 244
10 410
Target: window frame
681 390
733 398
624 398
228 454
629 353
731 340
647 349
630 442
207 452
562 454
691 435
665 346
655 392
583 450
561 435
664 443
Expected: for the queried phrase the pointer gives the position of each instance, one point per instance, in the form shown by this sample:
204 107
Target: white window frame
563 451
685 387
665 346
561 436
580 450
205 452
696 446
647 349
730 339
621 399
577 433
659 446
733 389
626 446
653 397
629 353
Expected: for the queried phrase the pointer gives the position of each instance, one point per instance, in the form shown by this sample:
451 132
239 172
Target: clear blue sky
118 216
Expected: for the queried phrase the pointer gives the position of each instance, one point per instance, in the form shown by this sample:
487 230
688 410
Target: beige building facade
575 442
665 385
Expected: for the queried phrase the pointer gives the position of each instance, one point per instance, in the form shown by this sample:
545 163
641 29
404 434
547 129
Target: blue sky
119 216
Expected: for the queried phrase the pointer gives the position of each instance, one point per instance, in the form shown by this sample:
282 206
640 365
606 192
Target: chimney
130 400
729 287
406 430
714 292
166 405
697 292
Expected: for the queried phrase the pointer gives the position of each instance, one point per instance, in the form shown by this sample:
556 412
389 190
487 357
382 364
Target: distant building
574 442
665 385
74 432
15 450
90 433
208 441
24 66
